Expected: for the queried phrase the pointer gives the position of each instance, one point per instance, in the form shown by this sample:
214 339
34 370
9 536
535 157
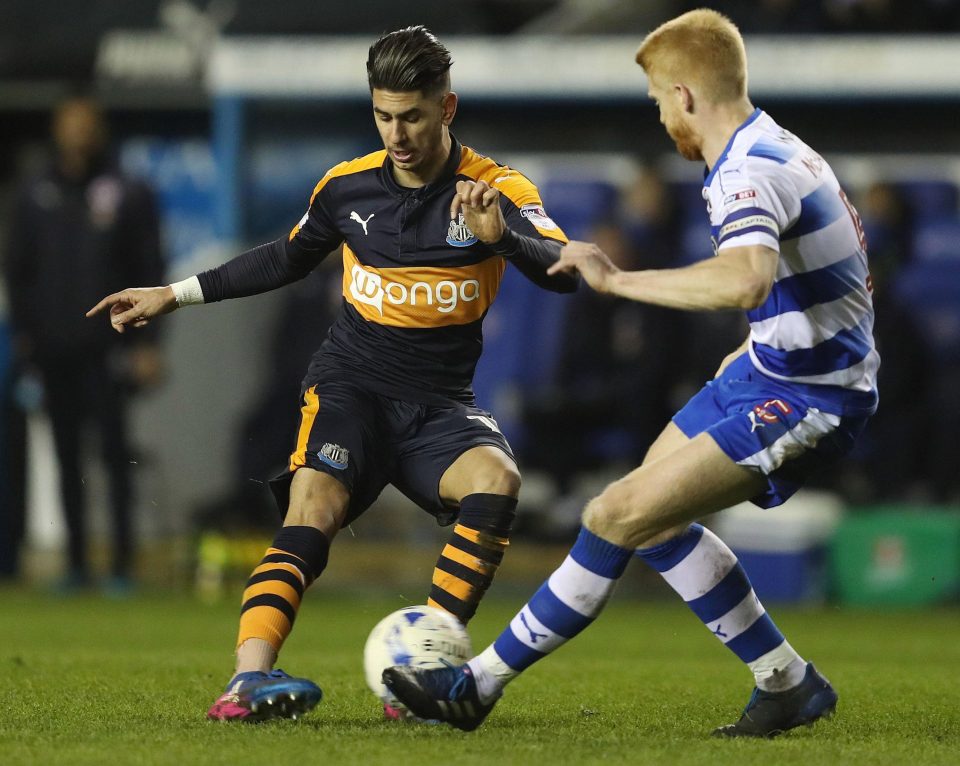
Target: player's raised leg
298 555
650 505
646 503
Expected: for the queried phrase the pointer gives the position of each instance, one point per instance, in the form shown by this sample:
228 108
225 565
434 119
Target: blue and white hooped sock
705 572
566 603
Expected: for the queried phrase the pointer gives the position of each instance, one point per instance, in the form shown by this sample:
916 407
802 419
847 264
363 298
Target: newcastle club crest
334 455
459 234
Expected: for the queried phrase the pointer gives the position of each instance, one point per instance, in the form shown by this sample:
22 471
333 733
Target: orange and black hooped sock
469 561
272 596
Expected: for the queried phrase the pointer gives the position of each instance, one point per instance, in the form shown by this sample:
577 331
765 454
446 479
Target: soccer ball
415 635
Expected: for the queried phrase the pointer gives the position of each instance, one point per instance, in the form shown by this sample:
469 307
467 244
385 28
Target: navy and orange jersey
416 285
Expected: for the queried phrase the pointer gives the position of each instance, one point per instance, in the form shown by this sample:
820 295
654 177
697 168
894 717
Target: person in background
78 229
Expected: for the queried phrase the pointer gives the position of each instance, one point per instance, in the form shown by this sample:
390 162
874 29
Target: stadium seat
930 289
184 176
576 205
281 178
930 199
695 243
695 236
937 239
690 199
521 340
613 444
523 327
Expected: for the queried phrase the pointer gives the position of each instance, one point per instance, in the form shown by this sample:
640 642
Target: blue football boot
257 696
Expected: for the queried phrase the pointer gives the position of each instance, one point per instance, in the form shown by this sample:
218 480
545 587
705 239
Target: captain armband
188 292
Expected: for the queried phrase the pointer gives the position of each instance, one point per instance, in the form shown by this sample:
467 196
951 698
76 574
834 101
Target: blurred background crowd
122 162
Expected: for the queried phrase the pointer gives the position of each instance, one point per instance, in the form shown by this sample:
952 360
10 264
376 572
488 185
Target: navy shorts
768 426
366 441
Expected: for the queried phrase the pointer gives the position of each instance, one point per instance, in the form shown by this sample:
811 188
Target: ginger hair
701 48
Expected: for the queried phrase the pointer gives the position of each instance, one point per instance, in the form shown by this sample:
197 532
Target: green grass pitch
127 682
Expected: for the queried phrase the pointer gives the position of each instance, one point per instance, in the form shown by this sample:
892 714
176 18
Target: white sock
491 674
779 670
255 654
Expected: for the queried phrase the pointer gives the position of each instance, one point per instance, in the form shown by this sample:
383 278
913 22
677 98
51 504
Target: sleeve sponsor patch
538 217
739 196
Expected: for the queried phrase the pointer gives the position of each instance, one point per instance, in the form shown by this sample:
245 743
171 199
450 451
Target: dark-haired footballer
427 226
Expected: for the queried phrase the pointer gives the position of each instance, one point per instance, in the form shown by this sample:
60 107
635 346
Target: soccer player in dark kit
427 227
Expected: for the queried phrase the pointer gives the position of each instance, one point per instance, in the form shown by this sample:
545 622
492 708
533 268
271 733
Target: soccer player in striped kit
791 252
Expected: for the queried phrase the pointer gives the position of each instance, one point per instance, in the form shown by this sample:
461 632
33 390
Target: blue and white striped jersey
816 327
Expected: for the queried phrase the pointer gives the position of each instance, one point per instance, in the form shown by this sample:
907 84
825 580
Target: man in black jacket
78 229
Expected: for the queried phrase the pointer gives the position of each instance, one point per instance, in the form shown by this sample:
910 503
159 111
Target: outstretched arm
256 271
737 278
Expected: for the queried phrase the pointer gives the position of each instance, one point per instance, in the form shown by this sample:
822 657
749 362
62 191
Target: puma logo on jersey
355 216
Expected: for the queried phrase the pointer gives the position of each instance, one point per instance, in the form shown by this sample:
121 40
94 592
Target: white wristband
188 292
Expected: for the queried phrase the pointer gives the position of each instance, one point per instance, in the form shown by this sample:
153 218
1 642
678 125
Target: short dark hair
407 60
